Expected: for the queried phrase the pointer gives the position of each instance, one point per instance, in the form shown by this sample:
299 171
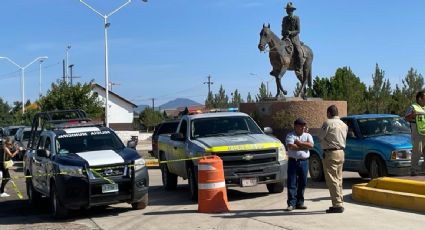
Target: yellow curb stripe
389 198
399 185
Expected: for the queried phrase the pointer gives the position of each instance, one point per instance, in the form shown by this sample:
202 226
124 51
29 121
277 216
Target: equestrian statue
288 53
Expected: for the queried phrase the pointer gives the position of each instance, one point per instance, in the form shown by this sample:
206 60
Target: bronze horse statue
282 58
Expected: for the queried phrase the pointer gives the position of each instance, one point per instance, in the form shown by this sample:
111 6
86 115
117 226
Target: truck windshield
87 141
383 126
223 126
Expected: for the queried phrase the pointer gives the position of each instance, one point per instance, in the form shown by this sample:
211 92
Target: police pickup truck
78 164
250 157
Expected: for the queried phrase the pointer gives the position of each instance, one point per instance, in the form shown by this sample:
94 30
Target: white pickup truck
249 155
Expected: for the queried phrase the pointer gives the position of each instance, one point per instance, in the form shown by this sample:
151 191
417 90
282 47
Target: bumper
401 168
265 174
81 192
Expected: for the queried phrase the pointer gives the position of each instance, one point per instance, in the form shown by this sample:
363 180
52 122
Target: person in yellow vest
415 114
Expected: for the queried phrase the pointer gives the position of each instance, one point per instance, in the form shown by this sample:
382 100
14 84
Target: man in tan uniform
332 139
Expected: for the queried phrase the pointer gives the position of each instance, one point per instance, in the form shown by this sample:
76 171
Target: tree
379 94
63 95
412 83
236 99
209 102
6 118
221 100
262 93
321 88
150 118
345 85
249 98
399 102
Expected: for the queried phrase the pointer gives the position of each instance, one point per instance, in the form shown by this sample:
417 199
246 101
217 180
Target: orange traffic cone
212 195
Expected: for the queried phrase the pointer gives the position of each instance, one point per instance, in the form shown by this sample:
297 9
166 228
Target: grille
244 158
109 171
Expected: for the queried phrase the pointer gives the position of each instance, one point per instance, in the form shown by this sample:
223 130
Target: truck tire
34 197
315 167
58 210
142 204
276 187
169 180
193 183
364 175
376 167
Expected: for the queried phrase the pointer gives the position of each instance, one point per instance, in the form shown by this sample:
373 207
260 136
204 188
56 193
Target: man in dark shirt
291 30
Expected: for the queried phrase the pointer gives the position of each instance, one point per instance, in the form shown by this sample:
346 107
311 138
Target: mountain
178 102
140 108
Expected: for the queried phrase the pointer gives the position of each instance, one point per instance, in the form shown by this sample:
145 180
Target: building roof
116 95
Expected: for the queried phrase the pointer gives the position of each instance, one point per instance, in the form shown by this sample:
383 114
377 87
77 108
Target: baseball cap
299 121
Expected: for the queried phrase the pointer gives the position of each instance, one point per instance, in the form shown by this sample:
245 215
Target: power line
30 71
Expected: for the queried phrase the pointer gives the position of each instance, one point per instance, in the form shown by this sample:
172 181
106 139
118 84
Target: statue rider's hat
291 6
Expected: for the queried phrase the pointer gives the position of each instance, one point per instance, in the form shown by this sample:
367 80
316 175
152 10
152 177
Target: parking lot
251 208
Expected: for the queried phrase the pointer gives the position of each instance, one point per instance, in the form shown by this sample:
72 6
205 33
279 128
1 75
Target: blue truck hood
254 139
397 141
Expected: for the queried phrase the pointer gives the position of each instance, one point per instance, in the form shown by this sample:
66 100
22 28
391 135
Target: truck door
45 165
179 152
36 169
354 148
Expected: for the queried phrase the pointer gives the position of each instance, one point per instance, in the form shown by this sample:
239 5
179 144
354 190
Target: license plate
107 188
248 182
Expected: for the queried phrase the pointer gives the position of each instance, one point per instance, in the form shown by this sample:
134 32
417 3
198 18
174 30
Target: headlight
139 164
281 153
71 171
402 154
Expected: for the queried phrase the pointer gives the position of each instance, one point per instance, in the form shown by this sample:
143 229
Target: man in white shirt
298 143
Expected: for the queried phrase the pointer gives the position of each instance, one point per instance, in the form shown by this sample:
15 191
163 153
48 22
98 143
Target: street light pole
67 62
22 68
39 94
106 25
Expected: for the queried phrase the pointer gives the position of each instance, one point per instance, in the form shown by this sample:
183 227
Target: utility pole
63 70
153 104
209 82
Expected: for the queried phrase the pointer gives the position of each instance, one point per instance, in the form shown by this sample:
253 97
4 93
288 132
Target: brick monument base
280 115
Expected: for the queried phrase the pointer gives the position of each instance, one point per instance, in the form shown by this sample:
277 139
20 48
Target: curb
392 192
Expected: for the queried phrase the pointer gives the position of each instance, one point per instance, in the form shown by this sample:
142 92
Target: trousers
296 181
332 166
418 142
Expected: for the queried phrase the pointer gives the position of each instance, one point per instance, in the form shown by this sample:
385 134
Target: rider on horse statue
291 30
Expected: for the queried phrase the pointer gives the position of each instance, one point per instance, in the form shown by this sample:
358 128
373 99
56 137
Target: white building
120 109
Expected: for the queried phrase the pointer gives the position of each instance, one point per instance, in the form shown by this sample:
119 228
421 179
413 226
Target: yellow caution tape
104 178
16 190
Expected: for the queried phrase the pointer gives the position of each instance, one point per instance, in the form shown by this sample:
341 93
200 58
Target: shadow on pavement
347 183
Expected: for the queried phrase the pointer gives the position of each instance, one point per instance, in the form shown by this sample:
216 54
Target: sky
165 49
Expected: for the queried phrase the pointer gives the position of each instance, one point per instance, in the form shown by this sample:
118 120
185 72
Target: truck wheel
141 204
58 210
316 168
34 197
377 167
193 183
276 187
169 180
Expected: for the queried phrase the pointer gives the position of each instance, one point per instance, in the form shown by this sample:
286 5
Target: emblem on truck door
247 157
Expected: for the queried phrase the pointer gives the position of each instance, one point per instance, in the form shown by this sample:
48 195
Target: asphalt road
251 208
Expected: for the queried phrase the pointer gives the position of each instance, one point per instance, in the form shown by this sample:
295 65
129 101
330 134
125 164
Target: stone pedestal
280 115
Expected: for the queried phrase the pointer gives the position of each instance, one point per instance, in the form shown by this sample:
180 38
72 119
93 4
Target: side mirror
350 134
131 144
177 137
41 153
268 130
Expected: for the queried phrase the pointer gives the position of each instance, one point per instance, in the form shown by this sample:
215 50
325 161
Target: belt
333 149
295 159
